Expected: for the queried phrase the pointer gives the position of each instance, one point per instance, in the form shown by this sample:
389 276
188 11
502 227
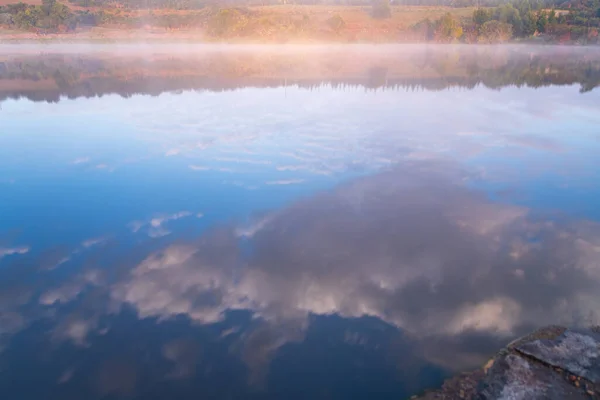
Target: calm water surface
289 223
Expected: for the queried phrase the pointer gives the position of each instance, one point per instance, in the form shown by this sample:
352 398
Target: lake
302 222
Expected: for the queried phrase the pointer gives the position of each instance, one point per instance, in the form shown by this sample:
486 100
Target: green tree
524 7
529 24
495 32
47 6
507 13
448 28
542 22
481 16
552 17
504 12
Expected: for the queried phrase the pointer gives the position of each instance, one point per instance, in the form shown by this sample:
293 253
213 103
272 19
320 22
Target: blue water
284 241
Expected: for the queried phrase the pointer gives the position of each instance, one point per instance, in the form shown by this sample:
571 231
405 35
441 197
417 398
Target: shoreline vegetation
362 21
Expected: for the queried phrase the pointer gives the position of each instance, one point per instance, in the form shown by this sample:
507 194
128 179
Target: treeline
517 20
50 16
520 20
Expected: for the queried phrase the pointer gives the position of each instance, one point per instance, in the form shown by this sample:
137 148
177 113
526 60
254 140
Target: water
299 222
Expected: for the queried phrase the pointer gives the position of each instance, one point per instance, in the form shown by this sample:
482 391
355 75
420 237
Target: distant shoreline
285 24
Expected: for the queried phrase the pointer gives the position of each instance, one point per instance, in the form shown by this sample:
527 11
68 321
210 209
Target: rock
552 363
517 378
575 351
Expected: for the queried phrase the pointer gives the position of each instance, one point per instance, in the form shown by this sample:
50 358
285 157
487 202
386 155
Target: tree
542 22
510 15
381 9
448 28
481 16
425 29
529 24
495 32
524 7
505 12
552 17
47 6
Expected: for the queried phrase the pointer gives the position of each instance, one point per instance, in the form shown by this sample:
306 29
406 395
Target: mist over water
289 222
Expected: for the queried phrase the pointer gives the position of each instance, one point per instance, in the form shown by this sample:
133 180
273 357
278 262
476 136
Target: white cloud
499 315
291 167
157 284
75 329
243 160
4 251
70 290
60 295
344 261
60 262
93 242
105 167
157 232
252 229
286 182
81 160
156 224
205 168
135 226
241 184
199 168
317 170
158 221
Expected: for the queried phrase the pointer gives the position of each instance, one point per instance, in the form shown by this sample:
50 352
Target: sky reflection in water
316 230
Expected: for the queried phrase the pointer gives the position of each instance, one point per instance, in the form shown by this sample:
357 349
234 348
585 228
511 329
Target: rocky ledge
552 363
